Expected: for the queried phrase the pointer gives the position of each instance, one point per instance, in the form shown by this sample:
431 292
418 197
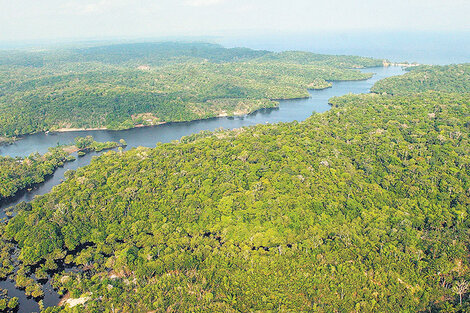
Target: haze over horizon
78 19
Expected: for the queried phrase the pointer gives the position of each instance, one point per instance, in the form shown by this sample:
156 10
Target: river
288 111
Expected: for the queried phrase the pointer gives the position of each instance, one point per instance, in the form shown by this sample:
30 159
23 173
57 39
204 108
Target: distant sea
421 47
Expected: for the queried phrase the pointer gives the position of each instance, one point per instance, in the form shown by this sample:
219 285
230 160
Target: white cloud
203 3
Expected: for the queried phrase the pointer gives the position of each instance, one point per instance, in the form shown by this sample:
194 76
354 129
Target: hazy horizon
77 19
424 31
419 46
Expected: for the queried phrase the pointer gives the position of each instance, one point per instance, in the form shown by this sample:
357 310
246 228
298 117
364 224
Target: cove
288 111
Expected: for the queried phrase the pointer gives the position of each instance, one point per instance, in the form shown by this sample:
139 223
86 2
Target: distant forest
121 86
449 78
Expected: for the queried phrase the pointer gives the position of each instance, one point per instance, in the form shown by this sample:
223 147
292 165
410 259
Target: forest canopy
448 78
360 209
121 86
17 174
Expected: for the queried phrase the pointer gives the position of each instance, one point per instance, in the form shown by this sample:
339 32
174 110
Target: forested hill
303 57
449 78
155 54
121 86
164 53
360 209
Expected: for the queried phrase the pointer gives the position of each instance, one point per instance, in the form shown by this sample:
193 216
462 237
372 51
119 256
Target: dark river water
288 111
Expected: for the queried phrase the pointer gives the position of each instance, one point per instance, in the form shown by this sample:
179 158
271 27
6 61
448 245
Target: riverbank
286 110
387 64
7 140
63 130
22 174
314 86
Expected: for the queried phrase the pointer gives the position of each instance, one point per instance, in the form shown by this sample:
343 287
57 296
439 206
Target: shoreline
70 149
69 130
221 115
387 64
65 130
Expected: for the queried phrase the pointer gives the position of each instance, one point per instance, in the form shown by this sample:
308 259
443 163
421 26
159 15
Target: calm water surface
288 111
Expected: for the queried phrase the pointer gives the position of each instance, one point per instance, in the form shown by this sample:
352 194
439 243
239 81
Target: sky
88 19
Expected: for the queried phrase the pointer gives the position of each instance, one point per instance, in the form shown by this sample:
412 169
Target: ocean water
422 47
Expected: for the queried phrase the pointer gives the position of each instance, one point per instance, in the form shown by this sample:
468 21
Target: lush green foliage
7 304
89 144
343 61
20 173
449 78
164 53
121 86
360 209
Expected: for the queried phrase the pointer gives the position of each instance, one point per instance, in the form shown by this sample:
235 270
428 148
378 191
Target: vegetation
20 173
89 144
123 86
7 304
449 78
342 61
361 209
